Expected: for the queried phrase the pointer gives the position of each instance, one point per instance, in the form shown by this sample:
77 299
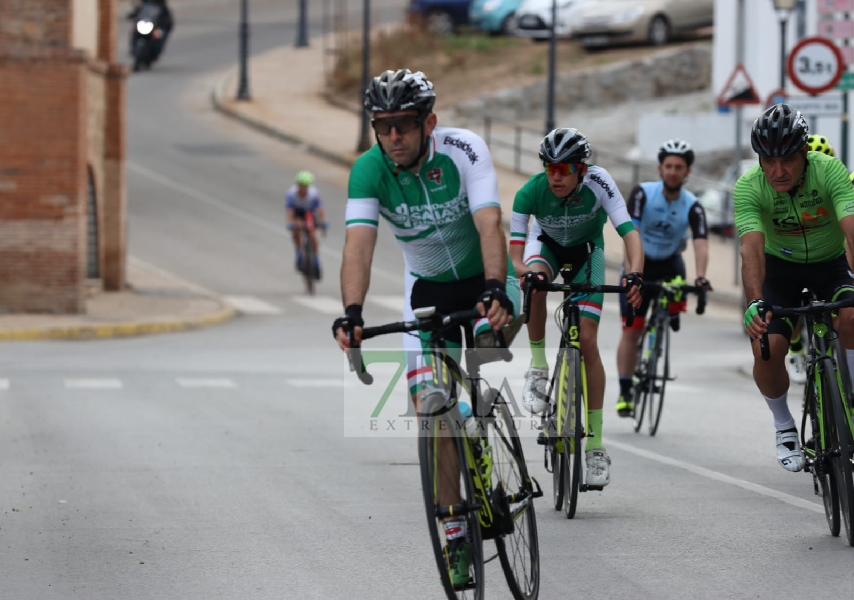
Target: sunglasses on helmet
561 168
403 124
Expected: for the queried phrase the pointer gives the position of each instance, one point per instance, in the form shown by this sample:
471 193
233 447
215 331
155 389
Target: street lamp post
365 141
784 8
550 92
302 26
243 85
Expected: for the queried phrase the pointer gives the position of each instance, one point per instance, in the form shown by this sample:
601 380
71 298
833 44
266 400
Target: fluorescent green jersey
801 226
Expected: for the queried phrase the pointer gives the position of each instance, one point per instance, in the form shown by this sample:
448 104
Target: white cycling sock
455 529
783 418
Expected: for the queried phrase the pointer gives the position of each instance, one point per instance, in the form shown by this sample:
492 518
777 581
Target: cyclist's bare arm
359 244
847 225
701 256
634 253
517 256
753 275
493 247
289 216
321 214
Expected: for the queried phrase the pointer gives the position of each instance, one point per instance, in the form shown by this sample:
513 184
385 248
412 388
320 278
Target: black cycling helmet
676 148
400 90
564 145
780 131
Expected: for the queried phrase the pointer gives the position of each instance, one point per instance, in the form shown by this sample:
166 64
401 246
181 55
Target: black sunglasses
403 124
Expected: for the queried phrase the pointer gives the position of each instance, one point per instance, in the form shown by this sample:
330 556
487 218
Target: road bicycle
493 493
652 368
308 264
565 424
827 403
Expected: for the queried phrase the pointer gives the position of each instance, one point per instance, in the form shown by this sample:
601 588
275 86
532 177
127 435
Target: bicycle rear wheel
659 371
513 496
640 387
308 262
557 476
842 443
444 470
572 431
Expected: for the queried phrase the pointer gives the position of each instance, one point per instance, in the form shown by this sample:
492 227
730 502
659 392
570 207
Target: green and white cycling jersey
801 226
570 222
429 212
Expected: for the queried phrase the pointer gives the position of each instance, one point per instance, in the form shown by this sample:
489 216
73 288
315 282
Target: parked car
441 17
494 16
717 201
640 21
534 18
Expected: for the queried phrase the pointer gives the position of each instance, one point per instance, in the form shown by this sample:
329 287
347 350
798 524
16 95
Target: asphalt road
238 461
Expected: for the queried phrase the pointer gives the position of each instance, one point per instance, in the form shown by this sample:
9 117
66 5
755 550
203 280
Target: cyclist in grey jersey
570 203
438 191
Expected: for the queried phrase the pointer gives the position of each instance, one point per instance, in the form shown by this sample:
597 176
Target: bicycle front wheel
659 372
815 449
842 444
571 397
513 496
308 262
640 389
450 499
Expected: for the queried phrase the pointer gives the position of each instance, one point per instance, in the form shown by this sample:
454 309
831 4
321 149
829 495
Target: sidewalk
286 85
154 302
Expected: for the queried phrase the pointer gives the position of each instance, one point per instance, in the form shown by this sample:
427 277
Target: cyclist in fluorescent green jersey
794 212
438 191
570 202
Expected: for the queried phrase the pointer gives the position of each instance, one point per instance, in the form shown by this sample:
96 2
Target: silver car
534 18
653 22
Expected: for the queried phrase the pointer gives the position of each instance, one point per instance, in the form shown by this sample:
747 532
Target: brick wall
62 115
35 22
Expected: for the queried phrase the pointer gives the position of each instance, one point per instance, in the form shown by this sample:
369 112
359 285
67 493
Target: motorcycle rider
165 22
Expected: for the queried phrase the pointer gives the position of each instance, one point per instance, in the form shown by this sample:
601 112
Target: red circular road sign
815 65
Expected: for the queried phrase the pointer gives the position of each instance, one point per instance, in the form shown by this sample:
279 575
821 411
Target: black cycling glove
495 290
634 279
352 318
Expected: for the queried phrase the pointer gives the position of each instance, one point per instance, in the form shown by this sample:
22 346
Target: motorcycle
147 37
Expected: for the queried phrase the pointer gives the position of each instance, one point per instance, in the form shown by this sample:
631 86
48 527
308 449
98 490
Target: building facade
62 145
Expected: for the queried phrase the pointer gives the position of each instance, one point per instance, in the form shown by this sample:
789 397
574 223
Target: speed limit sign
815 65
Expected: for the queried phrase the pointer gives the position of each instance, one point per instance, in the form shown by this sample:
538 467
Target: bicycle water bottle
651 340
469 421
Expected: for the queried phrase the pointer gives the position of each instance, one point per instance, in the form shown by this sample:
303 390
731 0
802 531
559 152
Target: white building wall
716 131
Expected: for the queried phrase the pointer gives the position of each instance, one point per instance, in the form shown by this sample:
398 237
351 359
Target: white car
717 201
534 18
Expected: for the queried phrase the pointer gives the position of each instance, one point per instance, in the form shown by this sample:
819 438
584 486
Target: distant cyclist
662 211
794 212
301 200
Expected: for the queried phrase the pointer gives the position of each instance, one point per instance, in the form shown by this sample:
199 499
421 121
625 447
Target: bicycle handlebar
433 323
815 307
530 284
700 291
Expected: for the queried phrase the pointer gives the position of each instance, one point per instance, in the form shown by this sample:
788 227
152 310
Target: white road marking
4 384
714 475
318 383
93 384
250 305
191 382
325 304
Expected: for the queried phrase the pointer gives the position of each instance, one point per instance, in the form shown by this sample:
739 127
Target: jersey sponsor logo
464 146
566 220
849 208
603 185
406 216
435 175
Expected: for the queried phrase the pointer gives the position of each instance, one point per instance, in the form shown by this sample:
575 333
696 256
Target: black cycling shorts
653 270
449 296
785 280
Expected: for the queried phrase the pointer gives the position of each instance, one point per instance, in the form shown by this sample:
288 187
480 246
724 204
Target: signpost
817 106
835 22
815 65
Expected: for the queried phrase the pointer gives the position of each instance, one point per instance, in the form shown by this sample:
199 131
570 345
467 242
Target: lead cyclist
438 191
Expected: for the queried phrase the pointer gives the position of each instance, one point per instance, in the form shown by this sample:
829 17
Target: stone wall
677 70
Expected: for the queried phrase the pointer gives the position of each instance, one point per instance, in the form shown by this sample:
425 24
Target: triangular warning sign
738 90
